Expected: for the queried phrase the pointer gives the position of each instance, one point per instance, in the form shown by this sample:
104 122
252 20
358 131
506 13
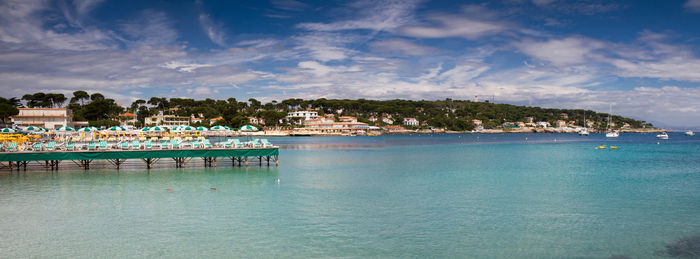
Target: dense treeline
448 114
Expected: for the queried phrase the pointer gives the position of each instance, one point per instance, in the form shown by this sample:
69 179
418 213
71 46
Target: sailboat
611 133
584 131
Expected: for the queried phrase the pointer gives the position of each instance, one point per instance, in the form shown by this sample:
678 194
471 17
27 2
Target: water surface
454 195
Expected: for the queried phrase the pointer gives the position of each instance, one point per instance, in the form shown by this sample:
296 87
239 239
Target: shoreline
489 131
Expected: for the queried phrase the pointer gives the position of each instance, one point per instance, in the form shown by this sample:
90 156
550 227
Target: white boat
583 132
690 133
663 135
611 133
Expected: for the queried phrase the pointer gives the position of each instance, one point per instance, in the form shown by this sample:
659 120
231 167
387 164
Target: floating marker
212 188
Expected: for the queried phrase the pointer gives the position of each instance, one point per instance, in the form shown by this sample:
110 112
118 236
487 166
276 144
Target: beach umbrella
116 128
157 129
87 129
65 129
34 129
145 129
202 129
219 128
186 128
8 130
176 128
248 128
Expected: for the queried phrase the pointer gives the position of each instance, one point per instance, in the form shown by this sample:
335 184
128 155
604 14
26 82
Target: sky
640 57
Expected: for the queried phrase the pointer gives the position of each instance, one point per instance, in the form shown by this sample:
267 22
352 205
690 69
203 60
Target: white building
127 120
410 122
50 118
167 120
304 115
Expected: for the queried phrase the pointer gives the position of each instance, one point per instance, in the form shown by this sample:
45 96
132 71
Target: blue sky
641 56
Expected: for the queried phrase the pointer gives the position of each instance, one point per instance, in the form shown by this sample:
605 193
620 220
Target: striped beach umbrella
248 128
184 128
34 129
219 128
157 129
7 130
145 129
116 128
87 129
202 129
65 129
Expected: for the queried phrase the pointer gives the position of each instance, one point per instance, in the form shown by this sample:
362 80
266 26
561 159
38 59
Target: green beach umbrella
65 129
157 129
248 128
145 129
87 129
184 128
8 130
202 129
117 128
219 128
34 129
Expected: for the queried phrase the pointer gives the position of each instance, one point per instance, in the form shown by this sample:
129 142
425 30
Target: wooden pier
181 157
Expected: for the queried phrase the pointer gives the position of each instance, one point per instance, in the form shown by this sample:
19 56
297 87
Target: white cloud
692 5
566 51
453 26
401 47
373 15
214 31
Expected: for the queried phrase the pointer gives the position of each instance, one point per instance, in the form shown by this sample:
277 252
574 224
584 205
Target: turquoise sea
453 195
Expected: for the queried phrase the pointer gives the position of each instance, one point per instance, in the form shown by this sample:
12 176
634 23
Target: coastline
486 131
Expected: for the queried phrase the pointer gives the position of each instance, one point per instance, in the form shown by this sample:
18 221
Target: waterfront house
167 120
304 115
476 122
50 118
530 119
543 124
127 119
347 119
410 122
560 124
214 120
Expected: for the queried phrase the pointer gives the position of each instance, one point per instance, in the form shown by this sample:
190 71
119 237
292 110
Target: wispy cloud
401 47
448 25
215 31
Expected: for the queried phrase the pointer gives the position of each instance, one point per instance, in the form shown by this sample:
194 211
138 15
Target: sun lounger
103 145
51 146
37 146
163 144
174 143
147 145
70 146
92 145
11 147
125 145
206 143
136 144
266 143
236 143
196 144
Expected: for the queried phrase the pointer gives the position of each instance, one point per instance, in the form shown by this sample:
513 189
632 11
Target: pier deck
17 160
